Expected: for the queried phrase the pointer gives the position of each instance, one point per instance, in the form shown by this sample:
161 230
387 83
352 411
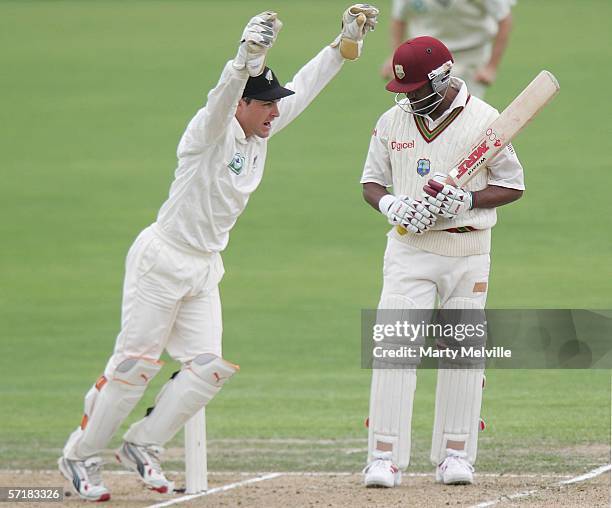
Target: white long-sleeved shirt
219 167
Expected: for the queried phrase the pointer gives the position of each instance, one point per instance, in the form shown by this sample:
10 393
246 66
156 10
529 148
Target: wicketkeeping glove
407 212
446 200
357 21
257 38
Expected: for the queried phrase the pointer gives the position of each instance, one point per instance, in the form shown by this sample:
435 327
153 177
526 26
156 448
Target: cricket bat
502 130
505 127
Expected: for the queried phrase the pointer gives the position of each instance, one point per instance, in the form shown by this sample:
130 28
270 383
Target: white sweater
404 153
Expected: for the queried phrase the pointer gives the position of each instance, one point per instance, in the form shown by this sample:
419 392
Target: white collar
459 101
238 132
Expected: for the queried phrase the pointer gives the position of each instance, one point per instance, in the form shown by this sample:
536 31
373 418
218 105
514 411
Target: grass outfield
94 100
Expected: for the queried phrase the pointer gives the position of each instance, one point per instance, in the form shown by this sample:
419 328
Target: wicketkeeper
173 269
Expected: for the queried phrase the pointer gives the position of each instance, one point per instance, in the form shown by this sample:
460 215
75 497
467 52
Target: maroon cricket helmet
414 60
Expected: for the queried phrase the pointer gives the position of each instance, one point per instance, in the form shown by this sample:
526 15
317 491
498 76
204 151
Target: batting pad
107 404
390 419
392 392
458 400
180 398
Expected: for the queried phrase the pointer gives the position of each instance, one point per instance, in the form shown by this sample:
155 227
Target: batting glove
257 38
406 212
357 21
446 200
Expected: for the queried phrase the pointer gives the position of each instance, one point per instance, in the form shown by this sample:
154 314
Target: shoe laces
383 459
459 456
92 467
385 456
154 452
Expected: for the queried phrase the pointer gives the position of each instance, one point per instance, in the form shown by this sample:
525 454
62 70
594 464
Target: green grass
94 99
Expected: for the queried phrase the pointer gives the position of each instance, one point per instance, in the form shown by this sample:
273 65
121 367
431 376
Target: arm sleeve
211 122
399 9
377 168
499 9
307 84
505 170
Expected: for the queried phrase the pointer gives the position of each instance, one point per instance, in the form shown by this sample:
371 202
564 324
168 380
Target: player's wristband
385 203
473 200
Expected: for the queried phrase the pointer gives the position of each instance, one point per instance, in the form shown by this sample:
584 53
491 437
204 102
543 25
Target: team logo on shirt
423 167
237 163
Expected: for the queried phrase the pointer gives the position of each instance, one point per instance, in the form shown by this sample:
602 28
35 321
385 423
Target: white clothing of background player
475 31
171 297
437 252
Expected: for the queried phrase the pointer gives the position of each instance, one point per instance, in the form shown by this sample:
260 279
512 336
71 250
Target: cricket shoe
85 478
455 469
382 472
145 461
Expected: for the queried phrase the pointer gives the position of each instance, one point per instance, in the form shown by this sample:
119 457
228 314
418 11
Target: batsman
437 252
173 269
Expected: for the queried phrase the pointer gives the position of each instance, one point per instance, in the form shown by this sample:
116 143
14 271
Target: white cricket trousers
417 279
170 301
421 278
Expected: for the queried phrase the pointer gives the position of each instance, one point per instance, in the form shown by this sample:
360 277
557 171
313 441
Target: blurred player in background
437 252
475 31
170 295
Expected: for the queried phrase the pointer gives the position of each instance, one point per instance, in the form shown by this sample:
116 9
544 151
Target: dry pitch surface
342 490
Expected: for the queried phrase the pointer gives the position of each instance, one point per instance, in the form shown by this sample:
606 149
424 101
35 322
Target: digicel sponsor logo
476 154
402 145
